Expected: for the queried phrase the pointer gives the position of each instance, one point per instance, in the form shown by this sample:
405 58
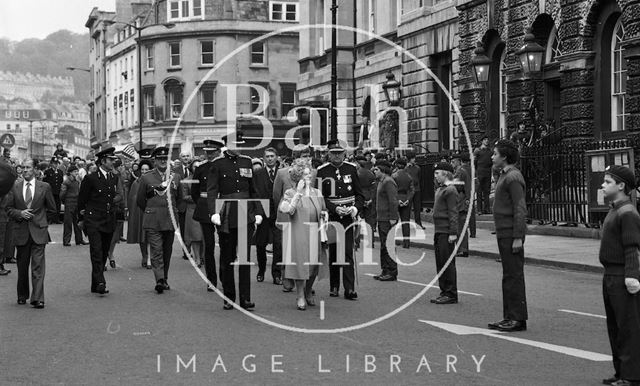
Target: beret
443 166
623 173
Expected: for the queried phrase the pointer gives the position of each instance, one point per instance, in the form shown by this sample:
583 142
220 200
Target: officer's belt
343 200
203 194
236 195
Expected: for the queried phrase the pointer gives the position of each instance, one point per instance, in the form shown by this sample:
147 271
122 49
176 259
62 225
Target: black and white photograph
319 192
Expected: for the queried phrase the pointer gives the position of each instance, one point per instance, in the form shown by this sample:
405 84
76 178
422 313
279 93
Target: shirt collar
619 203
104 172
507 168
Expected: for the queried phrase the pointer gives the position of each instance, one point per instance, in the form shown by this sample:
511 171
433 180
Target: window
149 51
503 96
618 79
184 9
281 11
173 98
207 98
372 16
149 104
256 99
287 98
258 54
174 54
207 52
8 127
553 47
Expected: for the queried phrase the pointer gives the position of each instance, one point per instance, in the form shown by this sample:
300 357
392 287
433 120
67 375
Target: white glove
258 219
633 285
215 219
353 211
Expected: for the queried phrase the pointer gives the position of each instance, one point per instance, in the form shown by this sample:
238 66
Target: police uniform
97 213
153 199
231 177
54 177
201 212
340 187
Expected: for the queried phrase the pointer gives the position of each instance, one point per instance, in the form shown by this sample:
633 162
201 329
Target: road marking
141 333
584 314
466 330
321 309
425 285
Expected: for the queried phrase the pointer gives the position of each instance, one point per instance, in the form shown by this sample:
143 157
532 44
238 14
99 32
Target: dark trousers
71 222
261 250
416 204
348 273
448 280
3 234
369 215
464 247
514 299
181 221
472 222
484 189
55 217
99 243
161 245
31 253
209 234
389 266
228 254
9 247
405 217
623 325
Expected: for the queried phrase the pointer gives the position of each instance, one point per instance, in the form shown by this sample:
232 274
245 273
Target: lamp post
139 51
530 55
390 122
481 65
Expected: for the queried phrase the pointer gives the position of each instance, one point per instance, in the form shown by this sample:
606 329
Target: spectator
60 152
483 164
387 216
414 172
54 177
69 195
405 196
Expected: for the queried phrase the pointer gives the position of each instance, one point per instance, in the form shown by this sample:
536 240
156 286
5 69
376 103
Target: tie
271 174
27 196
186 172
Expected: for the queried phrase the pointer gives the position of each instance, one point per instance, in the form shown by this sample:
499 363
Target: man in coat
7 178
156 222
28 204
415 172
96 207
181 171
201 212
405 197
69 195
54 177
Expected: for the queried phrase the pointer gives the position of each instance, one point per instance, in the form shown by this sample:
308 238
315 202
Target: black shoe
105 268
159 286
227 306
149 266
247 305
406 245
112 263
445 300
473 236
122 239
22 301
82 243
351 295
462 254
4 272
210 289
377 277
387 277
260 278
513 325
38 305
143 264
11 261
610 381
66 244
277 281
166 285
334 293
185 257
102 289
494 325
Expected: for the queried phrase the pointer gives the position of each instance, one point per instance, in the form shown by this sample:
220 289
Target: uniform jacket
231 176
414 172
201 212
405 185
463 177
54 178
97 197
387 200
340 186
156 205
42 203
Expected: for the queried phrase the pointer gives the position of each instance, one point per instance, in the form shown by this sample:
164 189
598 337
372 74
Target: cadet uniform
340 187
462 181
405 194
156 222
230 177
201 212
96 207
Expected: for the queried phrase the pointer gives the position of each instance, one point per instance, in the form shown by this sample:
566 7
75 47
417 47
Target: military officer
344 198
153 200
98 192
201 213
231 177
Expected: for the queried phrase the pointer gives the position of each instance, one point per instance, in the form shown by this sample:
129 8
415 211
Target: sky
23 19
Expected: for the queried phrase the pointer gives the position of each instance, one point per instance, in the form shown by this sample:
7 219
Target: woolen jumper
387 200
509 206
621 240
483 161
445 210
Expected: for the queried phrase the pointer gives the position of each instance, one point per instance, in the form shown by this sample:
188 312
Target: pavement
391 335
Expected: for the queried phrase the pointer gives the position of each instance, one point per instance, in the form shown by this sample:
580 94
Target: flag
128 151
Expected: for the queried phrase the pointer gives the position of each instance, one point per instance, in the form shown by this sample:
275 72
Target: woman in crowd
135 233
303 204
193 238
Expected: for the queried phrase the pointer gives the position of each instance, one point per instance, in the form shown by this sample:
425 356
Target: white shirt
104 173
32 187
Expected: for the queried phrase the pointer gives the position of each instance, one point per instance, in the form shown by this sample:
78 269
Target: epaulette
349 163
245 156
218 157
323 165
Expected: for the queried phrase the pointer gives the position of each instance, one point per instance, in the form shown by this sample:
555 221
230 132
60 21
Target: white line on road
583 314
466 330
321 309
425 285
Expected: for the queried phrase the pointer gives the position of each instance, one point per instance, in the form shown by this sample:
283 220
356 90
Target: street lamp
392 89
530 54
481 64
139 50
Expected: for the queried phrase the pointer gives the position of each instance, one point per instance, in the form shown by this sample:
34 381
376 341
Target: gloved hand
633 285
258 219
215 219
452 239
353 211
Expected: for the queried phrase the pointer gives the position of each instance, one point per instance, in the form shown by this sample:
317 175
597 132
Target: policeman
54 177
344 198
201 213
231 177
97 213
152 198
